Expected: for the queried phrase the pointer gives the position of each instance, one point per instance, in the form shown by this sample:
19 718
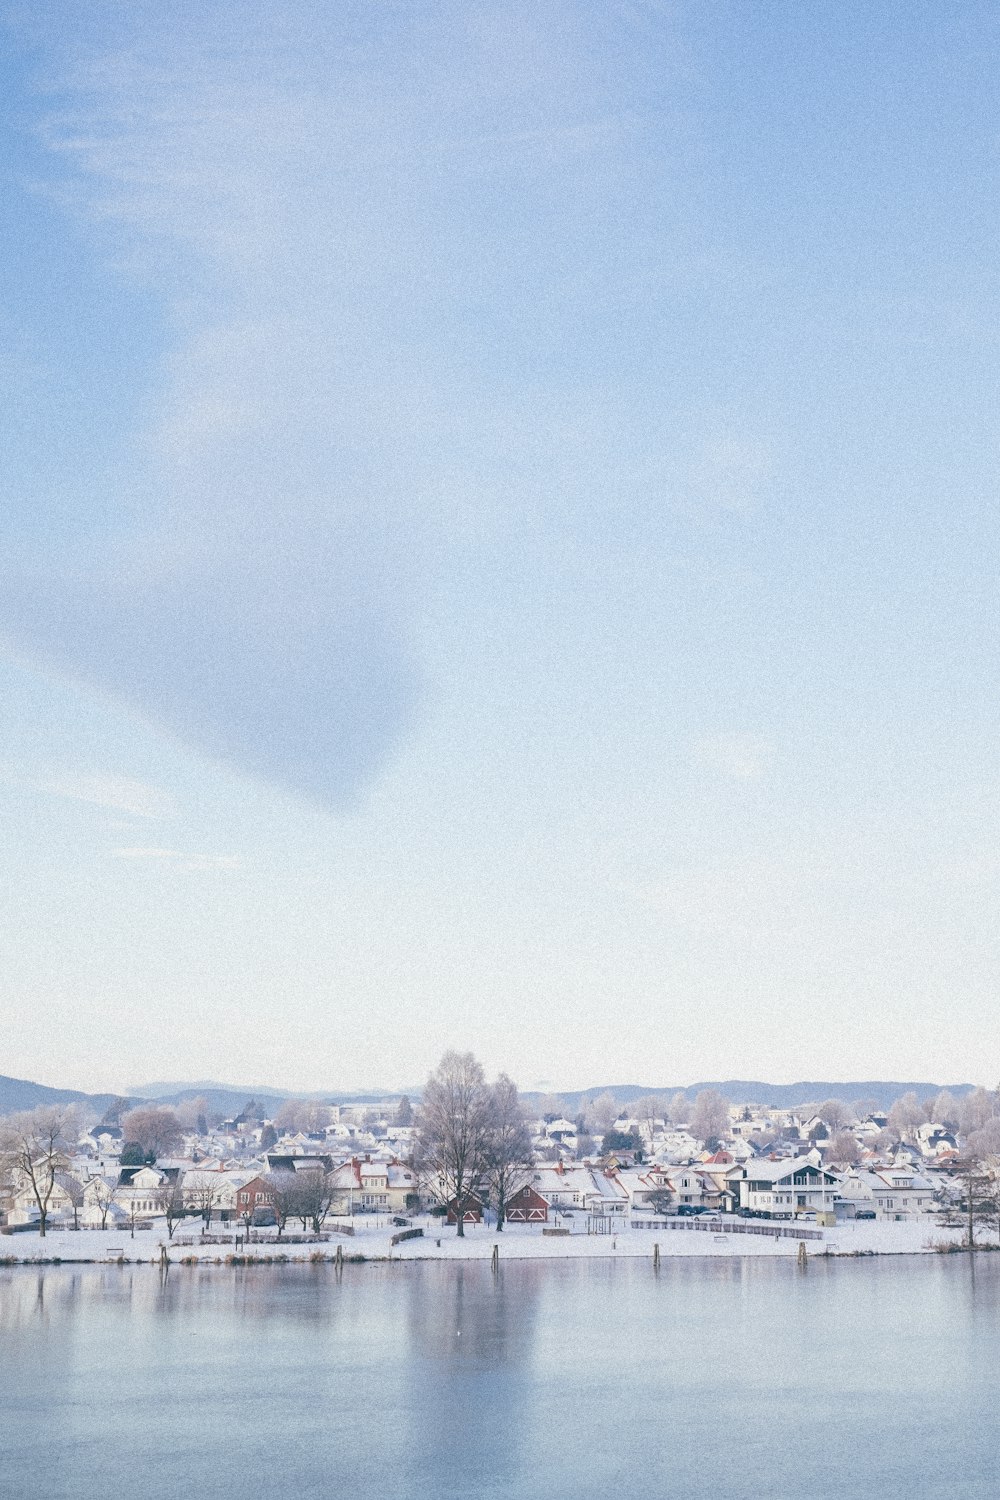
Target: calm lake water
726 1379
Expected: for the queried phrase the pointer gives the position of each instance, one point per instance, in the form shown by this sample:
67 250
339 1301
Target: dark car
865 1213
689 1210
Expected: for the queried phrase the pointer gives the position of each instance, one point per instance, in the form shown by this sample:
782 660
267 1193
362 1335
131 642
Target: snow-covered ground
371 1239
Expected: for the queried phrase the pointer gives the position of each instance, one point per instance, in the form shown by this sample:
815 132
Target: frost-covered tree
680 1108
844 1149
710 1116
508 1158
944 1110
35 1146
453 1130
602 1113
103 1194
647 1111
835 1114
154 1128
975 1110
906 1114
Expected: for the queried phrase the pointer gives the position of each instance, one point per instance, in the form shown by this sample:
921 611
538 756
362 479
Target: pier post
495 1257
802 1253
656 1257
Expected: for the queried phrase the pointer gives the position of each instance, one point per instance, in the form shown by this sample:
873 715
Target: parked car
865 1213
689 1210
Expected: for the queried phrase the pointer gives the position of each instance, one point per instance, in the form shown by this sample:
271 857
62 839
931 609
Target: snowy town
380 1179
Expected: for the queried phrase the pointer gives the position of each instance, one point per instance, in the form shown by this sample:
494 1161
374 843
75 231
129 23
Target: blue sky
500 541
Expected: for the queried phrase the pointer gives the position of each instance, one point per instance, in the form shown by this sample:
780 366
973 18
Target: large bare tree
710 1116
35 1146
284 1197
647 1111
314 1195
203 1193
104 1194
155 1128
73 1188
906 1114
172 1202
453 1131
509 1156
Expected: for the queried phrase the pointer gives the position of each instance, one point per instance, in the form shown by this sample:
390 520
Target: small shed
472 1210
527 1207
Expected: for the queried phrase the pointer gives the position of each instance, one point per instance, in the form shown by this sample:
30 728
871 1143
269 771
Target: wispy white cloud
180 859
147 853
119 793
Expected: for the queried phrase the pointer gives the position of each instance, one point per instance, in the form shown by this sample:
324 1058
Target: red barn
527 1207
472 1212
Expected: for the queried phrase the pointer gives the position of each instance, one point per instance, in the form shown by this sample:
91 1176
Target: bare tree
984 1144
284 1197
155 1128
906 1114
203 1195
454 1129
975 1110
844 1149
862 1108
193 1114
35 1145
314 1197
172 1202
979 1197
647 1112
834 1113
288 1116
944 1110
104 1193
680 1108
509 1156
660 1200
602 1113
710 1116
73 1188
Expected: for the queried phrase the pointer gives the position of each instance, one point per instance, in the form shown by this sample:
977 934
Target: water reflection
725 1378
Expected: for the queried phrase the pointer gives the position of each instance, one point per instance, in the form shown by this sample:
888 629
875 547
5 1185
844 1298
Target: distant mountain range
228 1099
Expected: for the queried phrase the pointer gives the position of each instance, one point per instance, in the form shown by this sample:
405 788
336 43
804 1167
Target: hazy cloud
370 229
178 857
121 793
740 757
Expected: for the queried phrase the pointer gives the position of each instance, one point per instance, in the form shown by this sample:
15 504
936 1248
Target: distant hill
18 1093
781 1095
227 1099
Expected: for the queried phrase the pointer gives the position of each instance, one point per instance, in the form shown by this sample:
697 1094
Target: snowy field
372 1240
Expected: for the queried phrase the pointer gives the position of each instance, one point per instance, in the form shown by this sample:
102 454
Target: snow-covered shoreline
516 1242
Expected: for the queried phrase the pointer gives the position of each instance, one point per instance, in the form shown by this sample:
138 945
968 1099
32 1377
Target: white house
783 1189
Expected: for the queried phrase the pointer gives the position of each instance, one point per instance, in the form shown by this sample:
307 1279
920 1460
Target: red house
527 1207
254 1197
472 1212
